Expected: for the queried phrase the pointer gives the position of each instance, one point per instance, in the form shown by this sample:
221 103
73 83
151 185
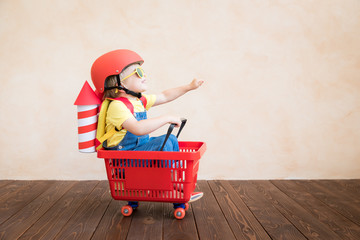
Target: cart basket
154 176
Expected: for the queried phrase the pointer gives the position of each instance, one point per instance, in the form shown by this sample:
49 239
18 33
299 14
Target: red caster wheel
179 213
186 206
126 210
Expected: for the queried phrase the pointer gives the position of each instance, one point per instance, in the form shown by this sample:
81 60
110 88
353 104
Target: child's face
134 82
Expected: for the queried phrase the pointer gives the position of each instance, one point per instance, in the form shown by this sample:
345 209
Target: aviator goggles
138 71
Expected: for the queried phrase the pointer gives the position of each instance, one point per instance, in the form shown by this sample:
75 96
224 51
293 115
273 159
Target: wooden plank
147 222
342 226
20 194
15 226
275 224
113 225
336 186
352 185
179 229
8 191
83 223
344 206
298 216
3 183
50 224
209 218
241 220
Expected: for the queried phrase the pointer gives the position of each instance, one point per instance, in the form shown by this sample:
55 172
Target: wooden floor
326 209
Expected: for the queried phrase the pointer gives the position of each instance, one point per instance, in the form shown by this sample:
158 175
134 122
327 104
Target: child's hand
174 120
196 83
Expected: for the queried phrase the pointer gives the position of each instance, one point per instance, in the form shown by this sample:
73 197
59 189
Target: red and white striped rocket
87 107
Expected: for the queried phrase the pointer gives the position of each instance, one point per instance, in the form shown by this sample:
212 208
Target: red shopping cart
154 176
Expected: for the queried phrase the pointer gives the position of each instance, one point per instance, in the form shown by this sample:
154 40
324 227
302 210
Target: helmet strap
127 91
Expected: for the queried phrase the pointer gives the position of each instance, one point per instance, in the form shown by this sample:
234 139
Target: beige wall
282 92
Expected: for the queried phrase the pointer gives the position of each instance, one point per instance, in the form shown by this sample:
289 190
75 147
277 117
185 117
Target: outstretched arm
173 93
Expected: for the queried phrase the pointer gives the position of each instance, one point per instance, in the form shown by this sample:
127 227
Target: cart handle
171 127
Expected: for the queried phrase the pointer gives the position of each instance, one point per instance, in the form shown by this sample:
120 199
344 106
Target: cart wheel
186 206
126 210
179 213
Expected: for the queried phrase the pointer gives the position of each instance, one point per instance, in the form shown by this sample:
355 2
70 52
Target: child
119 77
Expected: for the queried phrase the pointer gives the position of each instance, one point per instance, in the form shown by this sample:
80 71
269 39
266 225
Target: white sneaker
196 196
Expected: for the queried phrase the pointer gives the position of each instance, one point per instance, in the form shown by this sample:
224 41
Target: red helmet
112 63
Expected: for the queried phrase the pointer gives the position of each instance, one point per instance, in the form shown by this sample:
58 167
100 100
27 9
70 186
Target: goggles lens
139 72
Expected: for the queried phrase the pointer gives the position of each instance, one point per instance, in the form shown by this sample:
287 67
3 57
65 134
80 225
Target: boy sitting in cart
121 81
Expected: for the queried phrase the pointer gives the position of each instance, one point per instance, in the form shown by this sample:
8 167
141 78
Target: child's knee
172 144
172 138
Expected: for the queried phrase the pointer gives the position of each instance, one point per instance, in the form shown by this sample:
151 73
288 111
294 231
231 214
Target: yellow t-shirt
118 113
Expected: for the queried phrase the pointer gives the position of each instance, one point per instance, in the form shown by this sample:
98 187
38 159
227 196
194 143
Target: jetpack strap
144 101
128 104
105 137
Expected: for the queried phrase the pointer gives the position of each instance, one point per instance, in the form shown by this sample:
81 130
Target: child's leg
155 143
